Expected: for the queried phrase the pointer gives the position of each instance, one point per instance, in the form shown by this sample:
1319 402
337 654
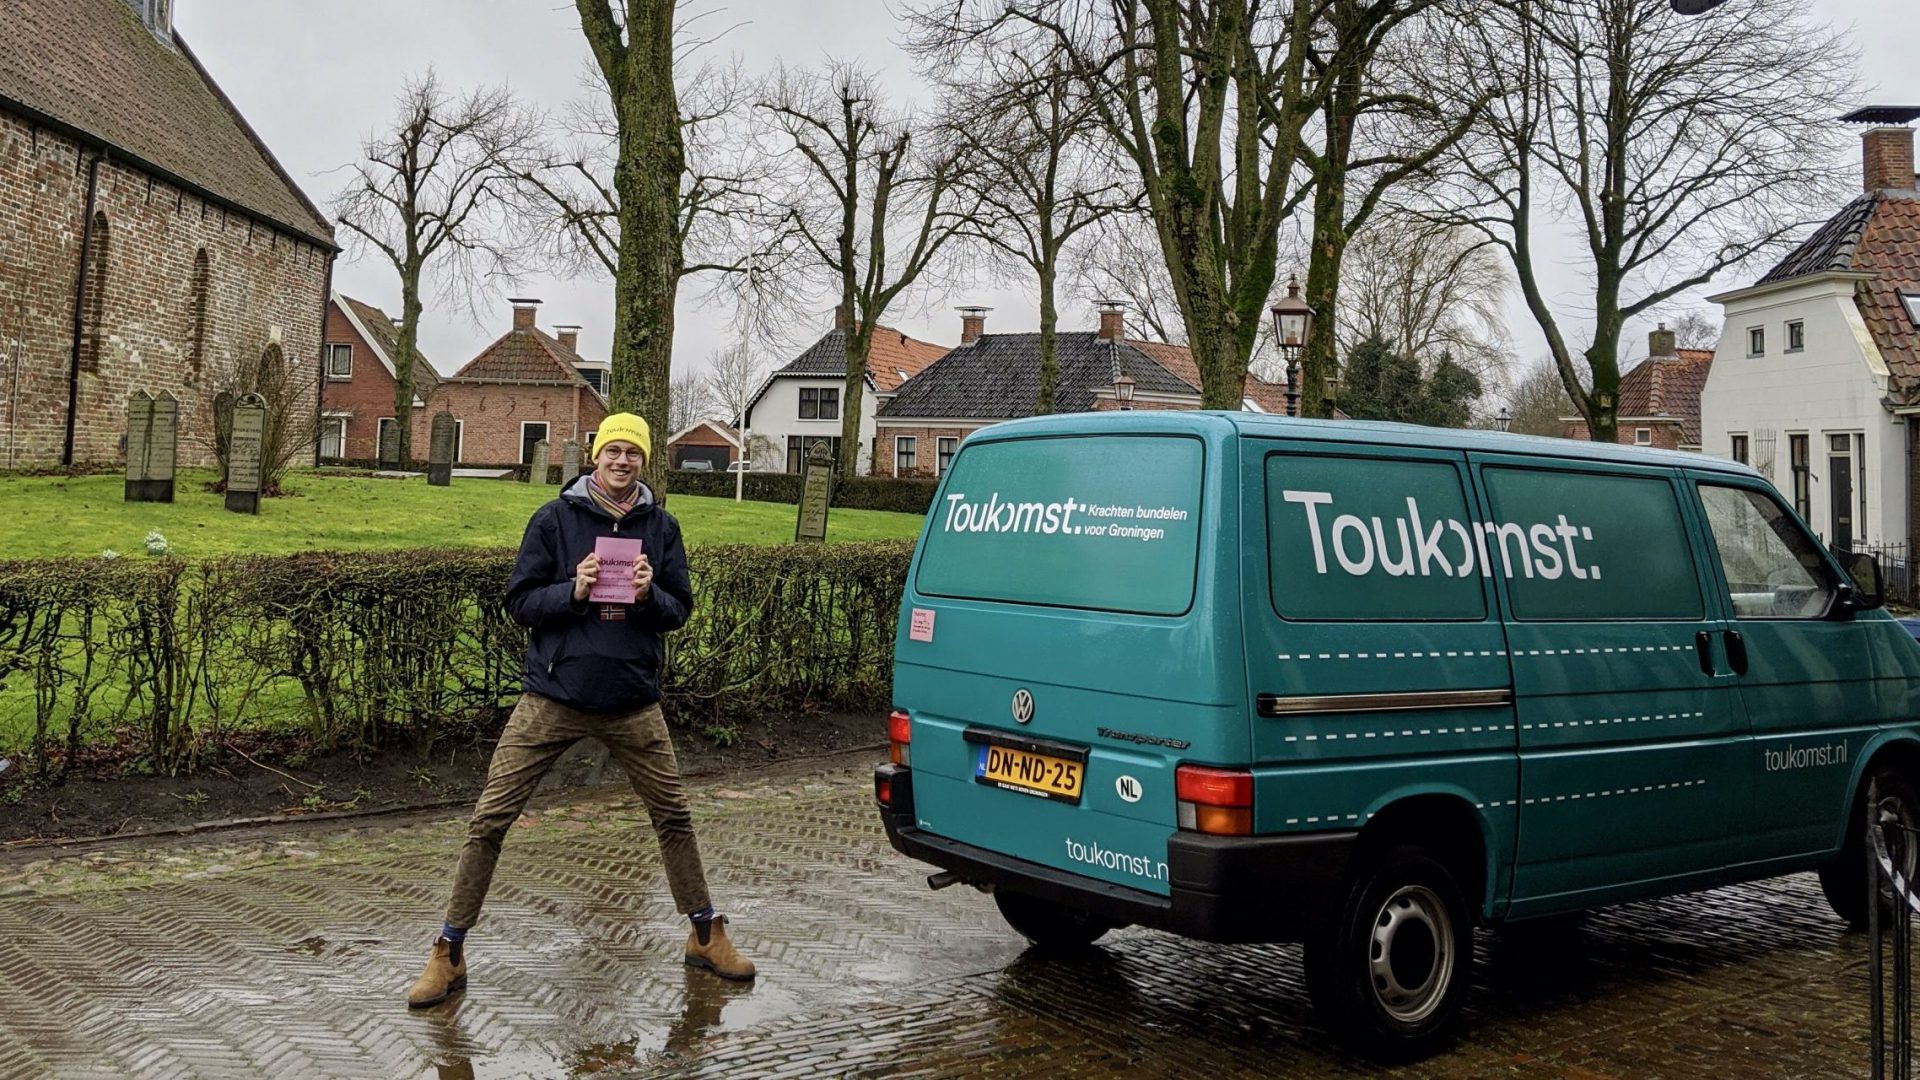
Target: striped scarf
619 508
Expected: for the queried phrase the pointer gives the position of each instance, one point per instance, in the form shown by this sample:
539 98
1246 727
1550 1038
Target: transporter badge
1022 706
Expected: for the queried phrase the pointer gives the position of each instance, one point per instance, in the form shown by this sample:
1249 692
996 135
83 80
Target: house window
380 438
799 446
1796 336
1756 341
333 436
1911 301
1740 449
459 440
532 431
906 455
944 460
1642 436
819 403
339 361
1802 488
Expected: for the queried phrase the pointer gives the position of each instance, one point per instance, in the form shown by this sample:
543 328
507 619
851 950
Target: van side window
1352 538
1589 546
1774 570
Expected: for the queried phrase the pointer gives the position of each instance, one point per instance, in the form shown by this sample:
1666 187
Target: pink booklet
617 556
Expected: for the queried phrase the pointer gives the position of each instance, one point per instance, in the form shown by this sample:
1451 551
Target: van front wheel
1886 793
1387 971
1047 924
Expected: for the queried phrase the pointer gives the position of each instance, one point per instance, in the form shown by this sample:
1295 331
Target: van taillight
899 734
1218 801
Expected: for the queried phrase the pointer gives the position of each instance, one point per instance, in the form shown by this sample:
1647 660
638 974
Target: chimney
1662 342
842 318
1113 319
973 323
1887 156
569 337
523 308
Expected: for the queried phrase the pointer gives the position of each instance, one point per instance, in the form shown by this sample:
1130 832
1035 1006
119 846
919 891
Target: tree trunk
409 347
859 344
1603 417
647 175
1043 402
1321 359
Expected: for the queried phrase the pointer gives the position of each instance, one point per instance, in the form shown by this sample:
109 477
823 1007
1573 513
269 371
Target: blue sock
456 938
702 922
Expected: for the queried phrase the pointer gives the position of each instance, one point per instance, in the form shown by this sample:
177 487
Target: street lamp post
1292 322
1505 418
1123 391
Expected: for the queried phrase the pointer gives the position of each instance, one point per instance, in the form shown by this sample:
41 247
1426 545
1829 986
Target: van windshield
1108 522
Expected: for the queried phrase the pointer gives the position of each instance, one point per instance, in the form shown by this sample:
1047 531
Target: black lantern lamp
1292 322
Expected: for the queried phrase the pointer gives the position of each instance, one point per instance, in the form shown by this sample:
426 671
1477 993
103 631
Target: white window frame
459 440
1738 441
328 421
938 453
1643 436
337 348
1797 328
379 435
897 441
1756 341
526 448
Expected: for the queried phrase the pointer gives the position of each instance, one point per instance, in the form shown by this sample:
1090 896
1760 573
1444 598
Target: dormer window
157 15
1911 301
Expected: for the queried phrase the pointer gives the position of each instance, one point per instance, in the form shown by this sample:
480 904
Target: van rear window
1109 522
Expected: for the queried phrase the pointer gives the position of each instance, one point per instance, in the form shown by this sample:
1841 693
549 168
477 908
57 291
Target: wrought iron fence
1896 565
1891 906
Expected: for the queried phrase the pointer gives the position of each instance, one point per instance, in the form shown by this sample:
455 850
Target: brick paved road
287 954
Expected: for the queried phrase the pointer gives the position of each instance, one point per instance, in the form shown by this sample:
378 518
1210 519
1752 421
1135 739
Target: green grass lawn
42 516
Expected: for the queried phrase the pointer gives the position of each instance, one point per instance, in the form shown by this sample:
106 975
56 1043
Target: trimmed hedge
859 493
368 649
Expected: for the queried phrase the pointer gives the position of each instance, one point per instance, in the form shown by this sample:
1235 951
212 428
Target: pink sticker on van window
922 627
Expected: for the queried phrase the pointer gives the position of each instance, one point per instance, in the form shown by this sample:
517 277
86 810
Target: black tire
1389 969
1844 879
1049 925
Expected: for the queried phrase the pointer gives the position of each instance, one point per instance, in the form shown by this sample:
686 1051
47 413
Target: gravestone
538 471
440 451
816 491
569 462
389 448
153 437
244 450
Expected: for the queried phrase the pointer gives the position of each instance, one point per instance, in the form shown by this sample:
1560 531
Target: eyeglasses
618 453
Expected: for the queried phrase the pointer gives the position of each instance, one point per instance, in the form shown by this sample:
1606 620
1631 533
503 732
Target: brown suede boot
440 979
718 955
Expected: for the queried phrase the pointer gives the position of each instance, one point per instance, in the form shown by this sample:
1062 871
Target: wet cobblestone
287 955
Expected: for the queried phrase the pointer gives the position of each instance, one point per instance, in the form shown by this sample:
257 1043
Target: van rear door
1060 649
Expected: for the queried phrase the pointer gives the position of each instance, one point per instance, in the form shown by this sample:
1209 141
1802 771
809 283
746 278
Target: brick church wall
147 329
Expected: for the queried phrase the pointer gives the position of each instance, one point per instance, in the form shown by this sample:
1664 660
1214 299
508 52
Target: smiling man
592 670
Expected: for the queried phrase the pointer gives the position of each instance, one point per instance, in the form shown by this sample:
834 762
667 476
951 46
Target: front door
1628 781
530 433
1840 489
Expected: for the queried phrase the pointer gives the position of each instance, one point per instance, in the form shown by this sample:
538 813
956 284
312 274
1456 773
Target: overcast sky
314 79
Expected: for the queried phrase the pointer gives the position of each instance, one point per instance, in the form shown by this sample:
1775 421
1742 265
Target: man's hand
585 575
642 580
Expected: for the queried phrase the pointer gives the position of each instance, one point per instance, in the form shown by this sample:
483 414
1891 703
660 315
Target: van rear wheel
1049 925
1886 792
1388 971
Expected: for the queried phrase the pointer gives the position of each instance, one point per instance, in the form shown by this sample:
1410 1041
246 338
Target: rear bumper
1224 888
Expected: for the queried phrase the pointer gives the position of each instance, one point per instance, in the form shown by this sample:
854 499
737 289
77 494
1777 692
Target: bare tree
734 375
1538 401
1041 174
691 401
1696 329
1674 147
1121 260
1429 290
870 207
427 195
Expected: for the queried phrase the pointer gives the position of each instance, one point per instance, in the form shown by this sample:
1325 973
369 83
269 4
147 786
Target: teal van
1368 686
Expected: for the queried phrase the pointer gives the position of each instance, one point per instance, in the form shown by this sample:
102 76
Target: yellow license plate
1029 773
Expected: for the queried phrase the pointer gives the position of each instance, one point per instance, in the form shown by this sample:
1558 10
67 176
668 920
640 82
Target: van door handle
1737 652
1703 644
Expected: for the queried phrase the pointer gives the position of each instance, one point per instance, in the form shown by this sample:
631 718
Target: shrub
164 658
859 493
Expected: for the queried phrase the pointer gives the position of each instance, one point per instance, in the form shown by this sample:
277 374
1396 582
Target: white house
1816 381
800 404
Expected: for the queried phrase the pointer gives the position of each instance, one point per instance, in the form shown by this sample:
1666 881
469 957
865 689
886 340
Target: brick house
524 387
150 241
988 378
709 440
799 404
1659 402
356 398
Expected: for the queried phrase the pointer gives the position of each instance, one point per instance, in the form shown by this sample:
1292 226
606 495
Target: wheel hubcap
1411 956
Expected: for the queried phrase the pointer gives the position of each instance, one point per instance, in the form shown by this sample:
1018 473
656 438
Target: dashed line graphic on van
1649 718
1544 550
1643 789
1438 654
1337 736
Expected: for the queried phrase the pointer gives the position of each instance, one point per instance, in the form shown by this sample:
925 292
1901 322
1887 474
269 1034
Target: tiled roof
890 353
1890 248
998 376
386 338
92 66
1271 397
1668 386
1831 246
525 356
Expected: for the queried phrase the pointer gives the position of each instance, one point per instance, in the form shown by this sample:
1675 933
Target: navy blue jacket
575 656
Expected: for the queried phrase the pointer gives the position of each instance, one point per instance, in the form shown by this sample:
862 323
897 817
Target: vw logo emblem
1022 706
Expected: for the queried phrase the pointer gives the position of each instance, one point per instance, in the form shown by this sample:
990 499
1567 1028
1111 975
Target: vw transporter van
1367 686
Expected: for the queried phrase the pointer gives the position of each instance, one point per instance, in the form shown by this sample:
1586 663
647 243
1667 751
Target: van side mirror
1868 590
